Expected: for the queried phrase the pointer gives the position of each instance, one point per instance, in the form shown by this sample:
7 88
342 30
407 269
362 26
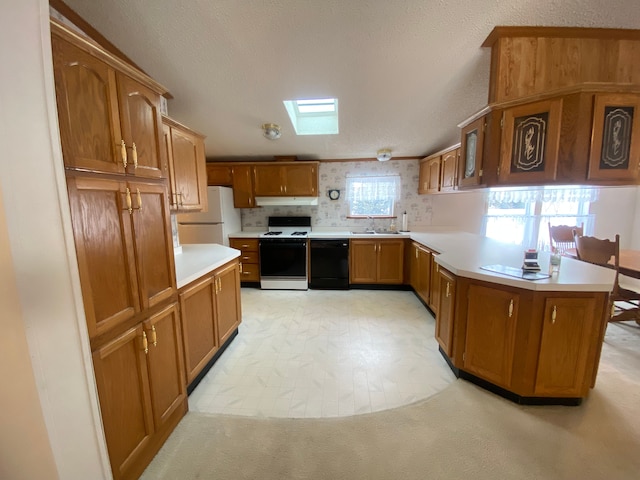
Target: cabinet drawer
250 272
244 244
249 257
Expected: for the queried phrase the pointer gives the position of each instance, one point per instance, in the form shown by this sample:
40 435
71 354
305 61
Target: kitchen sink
374 233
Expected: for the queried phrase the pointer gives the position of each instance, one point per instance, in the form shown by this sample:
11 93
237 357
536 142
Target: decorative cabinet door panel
153 243
188 172
615 141
445 315
390 261
568 325
197 306
449 170
87 101
424 278
530 142
141 127
471 152
102 233
122 379
267 180
300 180
228 310
166 365
242 186
423 180
490 337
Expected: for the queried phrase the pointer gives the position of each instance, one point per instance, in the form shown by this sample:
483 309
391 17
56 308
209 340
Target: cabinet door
471 153
363 263
87 101
228 310
568 326
446 310
301 180
197 306
166 365
615 141
449 170
414 267
390 261
153 243
423 179
174 200
141 128
219 175
434 292
104 246
188 170
268 180
424 269
530 142
433 175
242 186
490 337
122 379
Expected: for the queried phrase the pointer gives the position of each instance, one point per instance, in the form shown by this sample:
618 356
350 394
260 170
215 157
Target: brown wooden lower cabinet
533 344
140 380
210 308
376 261
249 258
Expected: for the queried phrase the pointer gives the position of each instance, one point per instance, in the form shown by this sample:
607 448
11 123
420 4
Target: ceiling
405 72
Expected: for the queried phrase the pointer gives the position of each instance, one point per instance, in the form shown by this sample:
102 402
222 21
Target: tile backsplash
333 213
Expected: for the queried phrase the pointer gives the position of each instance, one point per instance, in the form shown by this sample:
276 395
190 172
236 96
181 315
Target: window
313 117
372 196
521 216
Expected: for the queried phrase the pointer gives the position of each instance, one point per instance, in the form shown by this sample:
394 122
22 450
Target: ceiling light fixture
271 131
383 155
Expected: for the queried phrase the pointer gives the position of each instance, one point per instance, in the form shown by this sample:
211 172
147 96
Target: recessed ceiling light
314 116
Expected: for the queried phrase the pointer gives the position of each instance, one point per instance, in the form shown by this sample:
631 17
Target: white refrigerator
214 225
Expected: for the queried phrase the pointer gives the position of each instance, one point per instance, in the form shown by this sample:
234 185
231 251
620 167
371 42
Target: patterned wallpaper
333 213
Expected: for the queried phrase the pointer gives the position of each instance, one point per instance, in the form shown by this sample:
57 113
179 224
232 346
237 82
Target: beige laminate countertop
199 259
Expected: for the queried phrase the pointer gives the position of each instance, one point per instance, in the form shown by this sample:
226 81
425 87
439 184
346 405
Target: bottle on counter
405 222
554 261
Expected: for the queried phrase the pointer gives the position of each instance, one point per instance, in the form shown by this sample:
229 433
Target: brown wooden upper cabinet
242 176
530 141
615 143
286 179
438 172
109 121
471 153
430 174
449 170
187 171
219 175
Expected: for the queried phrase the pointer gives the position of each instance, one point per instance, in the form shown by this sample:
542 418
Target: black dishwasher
329 264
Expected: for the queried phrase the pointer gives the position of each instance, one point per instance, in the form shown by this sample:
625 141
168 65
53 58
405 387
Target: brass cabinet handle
416 252
145 343
448 286
128 200
437 268
154 338
240 267
123 153
553 315
135 155
219 284
511 308
139 198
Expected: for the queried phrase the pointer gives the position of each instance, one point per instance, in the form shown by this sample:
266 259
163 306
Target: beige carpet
461 432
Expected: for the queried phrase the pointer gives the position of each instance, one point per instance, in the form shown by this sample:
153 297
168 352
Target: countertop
199 259
464 253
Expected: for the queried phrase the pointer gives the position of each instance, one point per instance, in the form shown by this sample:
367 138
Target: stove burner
299 233
273 233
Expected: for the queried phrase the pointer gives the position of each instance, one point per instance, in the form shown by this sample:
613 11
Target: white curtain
367 188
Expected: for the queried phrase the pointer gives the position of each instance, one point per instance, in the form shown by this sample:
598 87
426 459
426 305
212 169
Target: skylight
314 116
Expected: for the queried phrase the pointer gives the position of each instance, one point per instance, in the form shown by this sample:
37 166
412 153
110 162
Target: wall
46 307
333 213
616 211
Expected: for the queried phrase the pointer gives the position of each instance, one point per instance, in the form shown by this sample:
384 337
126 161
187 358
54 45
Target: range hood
283 201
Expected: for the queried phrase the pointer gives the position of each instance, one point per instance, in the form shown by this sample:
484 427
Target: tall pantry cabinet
117 179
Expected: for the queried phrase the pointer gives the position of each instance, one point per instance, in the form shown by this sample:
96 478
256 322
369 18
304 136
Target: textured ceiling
406 72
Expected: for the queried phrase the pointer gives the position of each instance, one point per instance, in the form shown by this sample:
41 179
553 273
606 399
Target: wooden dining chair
561 237
625 303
